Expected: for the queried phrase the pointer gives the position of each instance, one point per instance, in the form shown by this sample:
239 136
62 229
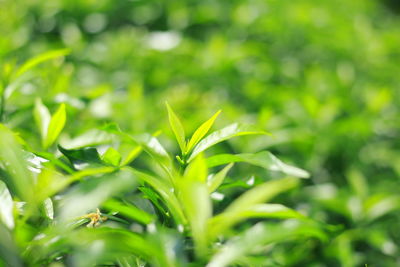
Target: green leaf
128 211
216 180
248 200
177 128
165 190
92 138
39 59
133 154
226 133
42 118
84 157
222 222
112 157
264 159
6 206
197 170
261 235
194 198
89 194
261 193
201 132
19 179
48 208
56 125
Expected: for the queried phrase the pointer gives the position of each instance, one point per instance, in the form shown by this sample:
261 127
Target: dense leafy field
199 133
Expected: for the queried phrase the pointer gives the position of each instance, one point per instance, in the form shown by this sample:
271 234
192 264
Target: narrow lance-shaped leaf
216 180
42 118
56 125
39 59
19 178
226 133
177 128
258 235
264 159
222 222
128 211
6 206
201 132
247 200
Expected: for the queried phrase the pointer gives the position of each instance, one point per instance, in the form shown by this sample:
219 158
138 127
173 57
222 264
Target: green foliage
84 126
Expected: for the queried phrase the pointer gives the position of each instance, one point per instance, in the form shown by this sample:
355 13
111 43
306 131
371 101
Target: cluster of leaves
157 210
322 76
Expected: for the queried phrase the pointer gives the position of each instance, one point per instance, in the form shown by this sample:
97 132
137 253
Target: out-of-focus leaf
261 235
222 222
48 208
226 133
6 206
216 180
201 131
194 198
54 160
264 159
261 193
81 158
19 178
39 59
165 190
197 170
112 156
91 193
8 249
42 118
247 201
56 125
128 211
133 154
177 128
380 205
92 138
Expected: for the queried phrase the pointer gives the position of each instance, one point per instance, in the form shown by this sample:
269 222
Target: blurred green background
321 76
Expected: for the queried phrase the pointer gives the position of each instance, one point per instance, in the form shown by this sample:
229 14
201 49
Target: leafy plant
159 212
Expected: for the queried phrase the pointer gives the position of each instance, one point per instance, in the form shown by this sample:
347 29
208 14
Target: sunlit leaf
226 133
197 170
264 159
42 118
39 59
6 206
56 125
112 156
216 180
19 178
201 132
222 222
261 235
177 128
48 208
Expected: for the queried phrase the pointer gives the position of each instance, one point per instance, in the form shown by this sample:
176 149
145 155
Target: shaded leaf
129 211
